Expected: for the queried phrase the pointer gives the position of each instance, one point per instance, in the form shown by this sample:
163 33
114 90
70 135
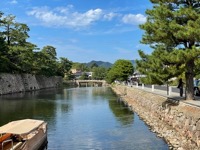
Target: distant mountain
104 64
100 64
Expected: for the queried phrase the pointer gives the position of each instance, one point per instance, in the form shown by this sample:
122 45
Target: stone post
136 84
142 86
152 88
170 90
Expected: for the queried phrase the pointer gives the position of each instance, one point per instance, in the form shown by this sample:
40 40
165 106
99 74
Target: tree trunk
189 75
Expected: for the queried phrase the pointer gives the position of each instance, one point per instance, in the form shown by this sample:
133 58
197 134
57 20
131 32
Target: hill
104 64
100 63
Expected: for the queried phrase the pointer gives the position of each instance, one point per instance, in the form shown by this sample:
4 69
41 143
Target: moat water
82 119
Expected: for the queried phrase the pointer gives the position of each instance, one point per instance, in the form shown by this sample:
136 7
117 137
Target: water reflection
37 104
123 115
81 118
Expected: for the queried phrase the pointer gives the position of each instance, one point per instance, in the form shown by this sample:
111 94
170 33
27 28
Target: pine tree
173 30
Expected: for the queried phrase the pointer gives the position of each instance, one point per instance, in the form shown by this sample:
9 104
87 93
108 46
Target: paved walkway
173 95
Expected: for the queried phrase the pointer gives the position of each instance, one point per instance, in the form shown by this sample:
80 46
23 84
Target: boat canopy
20 127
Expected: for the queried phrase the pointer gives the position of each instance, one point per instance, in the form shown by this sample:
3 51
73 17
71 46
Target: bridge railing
94 82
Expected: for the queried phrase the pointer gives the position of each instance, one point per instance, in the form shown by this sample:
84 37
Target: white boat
26 134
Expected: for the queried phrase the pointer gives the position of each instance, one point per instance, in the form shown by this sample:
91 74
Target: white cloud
64 10
110 16
13 2
134 19
70 18
64 17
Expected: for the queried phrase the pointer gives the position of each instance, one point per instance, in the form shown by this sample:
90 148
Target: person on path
180 86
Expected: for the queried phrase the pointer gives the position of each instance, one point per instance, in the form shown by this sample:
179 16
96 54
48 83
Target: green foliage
49 60
120 71
19 56
172 30
69 76
50 52
94 65
64 66
17 52
46 61
111 76
4 61
84 76
99 73
80 66
160 66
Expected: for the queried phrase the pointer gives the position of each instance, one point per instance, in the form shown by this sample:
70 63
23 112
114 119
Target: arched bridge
91 82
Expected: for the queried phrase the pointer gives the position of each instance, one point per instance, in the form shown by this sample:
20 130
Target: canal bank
74 114
15 83
178 123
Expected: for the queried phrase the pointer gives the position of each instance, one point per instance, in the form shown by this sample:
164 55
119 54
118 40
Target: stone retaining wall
13 83
177 123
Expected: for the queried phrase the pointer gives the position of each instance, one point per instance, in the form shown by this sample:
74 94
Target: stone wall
178 123
48 82
13 83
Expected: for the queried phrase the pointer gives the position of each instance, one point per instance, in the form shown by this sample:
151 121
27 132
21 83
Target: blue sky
84 30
